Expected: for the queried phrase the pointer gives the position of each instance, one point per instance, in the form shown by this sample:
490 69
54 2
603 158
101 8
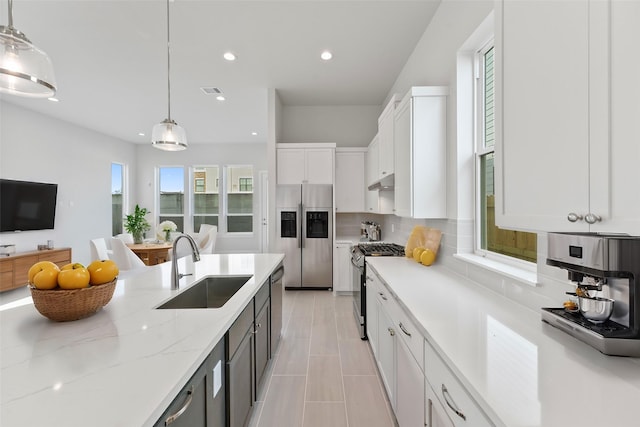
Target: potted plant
136 224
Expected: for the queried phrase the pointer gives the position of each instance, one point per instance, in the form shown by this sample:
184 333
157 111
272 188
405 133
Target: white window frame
224 206
125 191
479 151
192 192
186 201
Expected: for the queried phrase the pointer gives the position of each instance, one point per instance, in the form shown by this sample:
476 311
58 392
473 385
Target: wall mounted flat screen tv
27 205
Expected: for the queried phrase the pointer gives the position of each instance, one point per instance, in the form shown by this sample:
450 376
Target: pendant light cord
168 66
10 14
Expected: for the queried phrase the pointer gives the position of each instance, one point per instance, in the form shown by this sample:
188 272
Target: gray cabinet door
240 382
262 343
216 416
276 308
189 408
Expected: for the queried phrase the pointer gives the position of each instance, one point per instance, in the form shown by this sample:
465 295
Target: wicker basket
63 305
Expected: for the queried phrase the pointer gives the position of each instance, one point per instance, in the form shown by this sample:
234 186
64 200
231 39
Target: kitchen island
519 370
124 365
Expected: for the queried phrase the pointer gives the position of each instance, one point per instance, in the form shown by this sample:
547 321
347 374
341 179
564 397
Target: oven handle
359 267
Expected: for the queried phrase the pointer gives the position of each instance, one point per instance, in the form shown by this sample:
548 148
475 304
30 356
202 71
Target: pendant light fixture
25 70
167 135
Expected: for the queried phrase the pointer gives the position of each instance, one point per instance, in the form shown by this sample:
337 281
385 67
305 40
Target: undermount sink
208 292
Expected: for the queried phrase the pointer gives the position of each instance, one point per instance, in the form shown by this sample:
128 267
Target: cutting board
425 237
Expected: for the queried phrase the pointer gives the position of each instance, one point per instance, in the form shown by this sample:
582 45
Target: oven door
359 296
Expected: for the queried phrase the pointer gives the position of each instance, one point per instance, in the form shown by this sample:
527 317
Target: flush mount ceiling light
167 135
229 56
25 70
326 55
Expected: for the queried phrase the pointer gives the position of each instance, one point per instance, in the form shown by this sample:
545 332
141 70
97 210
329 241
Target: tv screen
27 205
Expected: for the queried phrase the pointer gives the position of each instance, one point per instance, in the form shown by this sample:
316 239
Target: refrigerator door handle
300 238
302 226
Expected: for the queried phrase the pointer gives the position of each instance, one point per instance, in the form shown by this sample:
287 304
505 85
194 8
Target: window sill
521 275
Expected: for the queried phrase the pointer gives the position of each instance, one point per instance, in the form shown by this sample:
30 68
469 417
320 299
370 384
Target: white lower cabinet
397 348
458 405
410 382
436 414
387 353
372 313
422 390
342 268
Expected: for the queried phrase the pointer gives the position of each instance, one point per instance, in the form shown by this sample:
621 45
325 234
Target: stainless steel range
359 253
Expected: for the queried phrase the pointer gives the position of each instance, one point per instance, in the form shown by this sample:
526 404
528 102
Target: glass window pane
239 185
240 224
117 195
206 197
489 103
171 197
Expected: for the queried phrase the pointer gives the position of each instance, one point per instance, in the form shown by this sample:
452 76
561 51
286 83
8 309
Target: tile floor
323 374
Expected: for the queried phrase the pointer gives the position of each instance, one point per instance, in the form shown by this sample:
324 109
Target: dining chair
98 248
207 242
127 238
124 257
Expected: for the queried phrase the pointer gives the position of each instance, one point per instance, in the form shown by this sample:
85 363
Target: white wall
203 155
346 125
34 147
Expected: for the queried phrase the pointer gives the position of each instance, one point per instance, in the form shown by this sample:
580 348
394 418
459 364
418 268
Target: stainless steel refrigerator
304 235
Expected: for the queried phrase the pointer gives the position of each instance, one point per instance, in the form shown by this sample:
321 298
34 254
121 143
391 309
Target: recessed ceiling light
229 56
326 55
254 133
53 99
220 98
140 133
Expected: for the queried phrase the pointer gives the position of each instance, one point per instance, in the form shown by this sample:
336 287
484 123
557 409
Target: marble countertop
124 365
521 371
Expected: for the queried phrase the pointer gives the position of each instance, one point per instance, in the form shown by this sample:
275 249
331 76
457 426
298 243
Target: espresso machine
604 267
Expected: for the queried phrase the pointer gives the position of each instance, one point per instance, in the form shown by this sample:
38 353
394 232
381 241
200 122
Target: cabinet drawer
459 405
6 266
21 268
410 334
59 257
262 296
6 280
239 329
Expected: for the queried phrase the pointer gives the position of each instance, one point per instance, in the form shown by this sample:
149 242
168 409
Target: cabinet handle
403 329
391 331
384 172
573 217
382 296
171 418
453 406
592 218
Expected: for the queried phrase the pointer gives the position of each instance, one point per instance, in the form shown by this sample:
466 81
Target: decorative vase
138 237
167 235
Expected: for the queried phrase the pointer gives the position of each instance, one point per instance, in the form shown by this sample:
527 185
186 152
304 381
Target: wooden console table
15 267
151 253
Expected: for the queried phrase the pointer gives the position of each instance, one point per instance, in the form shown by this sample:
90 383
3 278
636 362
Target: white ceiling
110 59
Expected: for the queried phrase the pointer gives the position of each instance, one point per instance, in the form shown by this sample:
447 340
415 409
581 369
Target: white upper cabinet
350 180
420 153
386 139
305 163
376 201
567 116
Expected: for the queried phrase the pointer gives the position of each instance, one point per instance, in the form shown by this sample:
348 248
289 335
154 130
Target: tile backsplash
457 237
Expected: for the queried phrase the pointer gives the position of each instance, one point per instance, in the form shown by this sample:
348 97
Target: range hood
384 183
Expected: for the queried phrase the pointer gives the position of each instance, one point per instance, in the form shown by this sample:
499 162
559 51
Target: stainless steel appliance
359 253
304 233
370 231
602 266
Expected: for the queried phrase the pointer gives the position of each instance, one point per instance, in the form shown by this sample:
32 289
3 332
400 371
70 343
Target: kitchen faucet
195 253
